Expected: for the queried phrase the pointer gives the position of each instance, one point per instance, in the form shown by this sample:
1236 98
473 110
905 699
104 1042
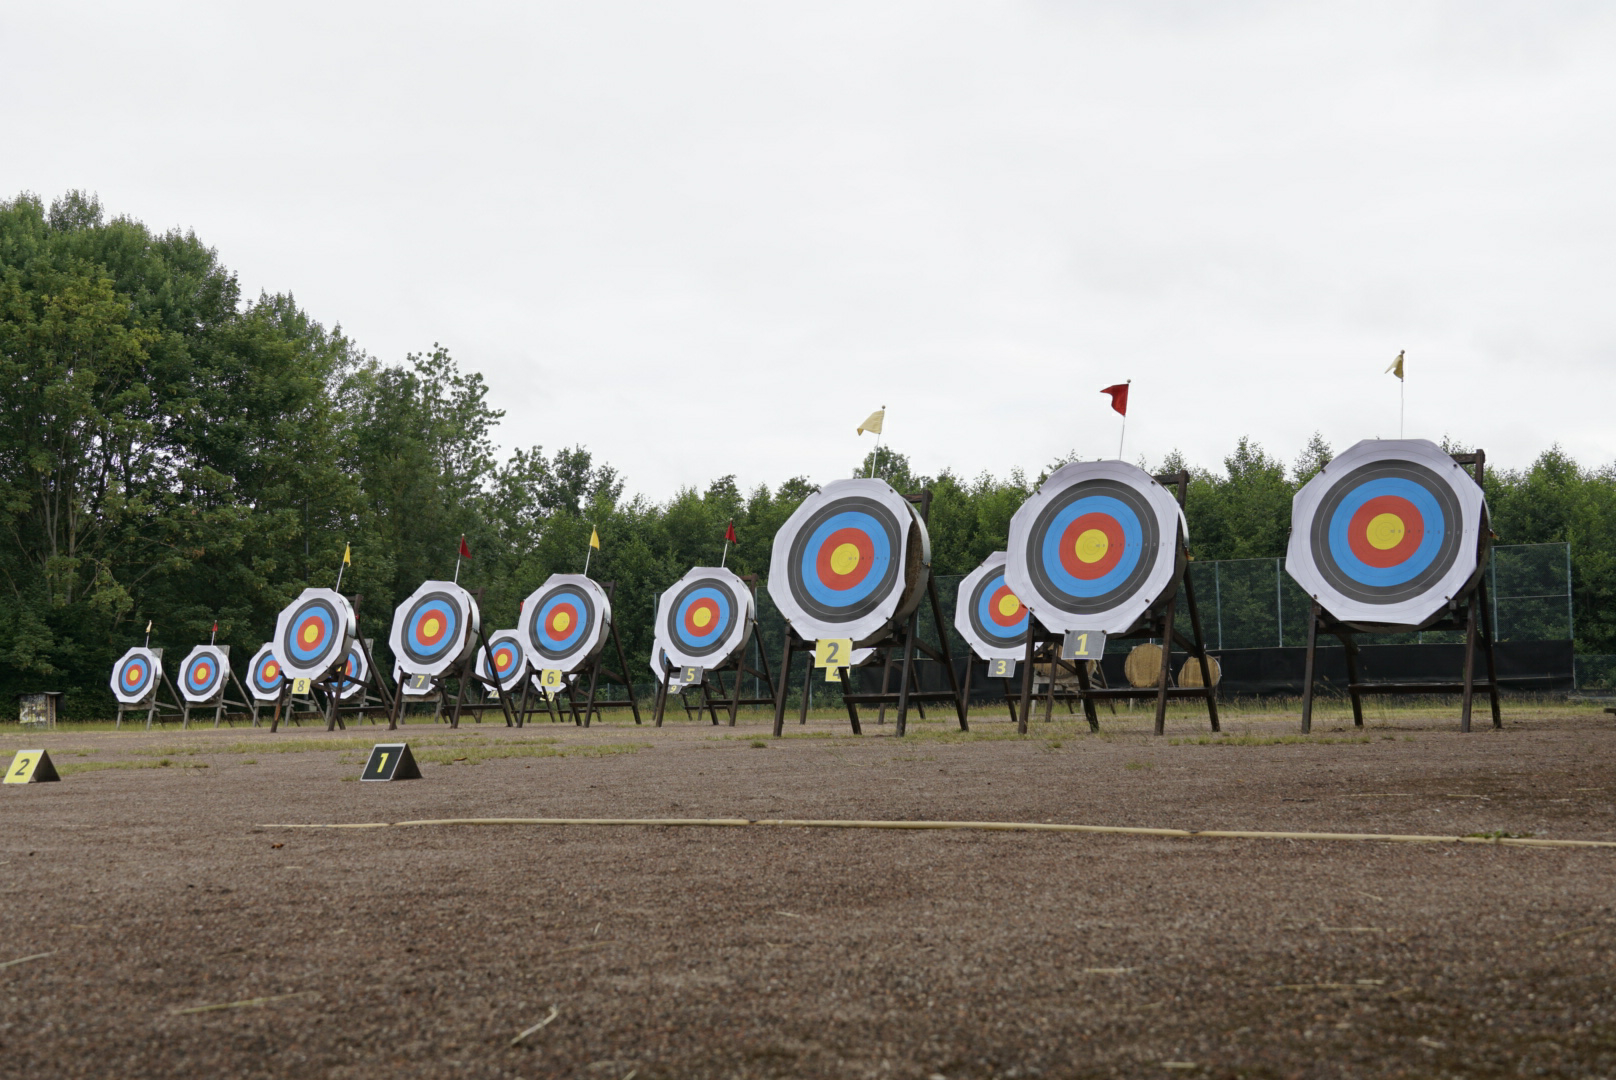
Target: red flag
729 533
465 552
1119 397
215 626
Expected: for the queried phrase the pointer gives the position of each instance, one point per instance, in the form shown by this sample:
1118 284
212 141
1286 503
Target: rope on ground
972 826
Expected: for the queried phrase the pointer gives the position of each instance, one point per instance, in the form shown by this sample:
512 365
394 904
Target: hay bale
1190 673
1143 666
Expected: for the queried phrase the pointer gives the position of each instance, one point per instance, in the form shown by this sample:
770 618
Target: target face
204 673
504 662
435 628
564 622
989 615
841 565
264 678
136 674
313 633
1387 533
355 674
704 618
1095 548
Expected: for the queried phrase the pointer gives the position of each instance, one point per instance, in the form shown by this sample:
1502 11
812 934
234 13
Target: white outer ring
740 633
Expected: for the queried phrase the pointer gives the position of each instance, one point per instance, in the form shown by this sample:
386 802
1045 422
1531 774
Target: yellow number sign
1001 669
833 652
550 678
1083 645
300 686
31 767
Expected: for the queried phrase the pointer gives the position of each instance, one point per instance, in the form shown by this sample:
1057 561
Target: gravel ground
675 952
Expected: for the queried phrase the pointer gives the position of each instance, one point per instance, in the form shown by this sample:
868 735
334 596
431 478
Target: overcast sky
709 238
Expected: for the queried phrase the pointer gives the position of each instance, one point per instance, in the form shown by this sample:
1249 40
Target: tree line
177 453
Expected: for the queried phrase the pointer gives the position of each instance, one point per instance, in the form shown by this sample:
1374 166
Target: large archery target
505 662
850 562
355 674
136 674
704 618
1095 548
264 678
204 674
435 628
564 622
1388 533
313 632
989 615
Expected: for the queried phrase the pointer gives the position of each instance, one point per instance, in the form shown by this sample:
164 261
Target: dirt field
150 879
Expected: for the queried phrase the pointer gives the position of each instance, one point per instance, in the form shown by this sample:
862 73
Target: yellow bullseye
1009 605
310 633
1385 531
701 616
845 559
429 628
560 622
1092 546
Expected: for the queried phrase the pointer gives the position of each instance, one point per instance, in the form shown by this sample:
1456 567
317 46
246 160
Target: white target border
1416 611
586 649
345 612
485 660
981 646
899 602
454 657
154 657
252 665
740 631
1171 530
221 657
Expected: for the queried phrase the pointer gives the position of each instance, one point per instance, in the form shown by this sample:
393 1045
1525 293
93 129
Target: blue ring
451 629
1378 576
984 617
542 624
836 598
145 675
1133 545
720 626
258 674
319 610
191 684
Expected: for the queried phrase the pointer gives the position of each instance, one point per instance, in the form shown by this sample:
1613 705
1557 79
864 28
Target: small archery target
849 562
136 674
704 618
313 632
435 628
1388 533
355 673
504 662
1095 548
564 622
204 674
988 613
264 678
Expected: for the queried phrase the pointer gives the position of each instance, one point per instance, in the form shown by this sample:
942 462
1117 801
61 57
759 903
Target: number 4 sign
391 761
31 767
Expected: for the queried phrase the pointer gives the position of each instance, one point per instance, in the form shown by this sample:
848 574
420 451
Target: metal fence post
1279 601
1571 613
1217 591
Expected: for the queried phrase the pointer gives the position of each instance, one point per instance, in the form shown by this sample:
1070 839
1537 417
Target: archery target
264 679
1096 547
989 615
1388 533
313 632
136 674
504 662
851 561
661 665
355 674
204 673
564 622
435 628
704 618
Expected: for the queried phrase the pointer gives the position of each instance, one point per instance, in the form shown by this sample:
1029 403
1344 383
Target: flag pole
877 451
588 552
1402 404
340 568
457 568
1121 438
725 557
148 635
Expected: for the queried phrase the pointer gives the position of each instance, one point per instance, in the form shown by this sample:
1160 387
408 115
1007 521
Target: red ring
1111 527
997 616
866 552
1358 531
549 622
707 604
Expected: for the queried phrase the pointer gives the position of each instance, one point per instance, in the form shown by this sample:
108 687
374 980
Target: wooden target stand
327 687
466 674
1469 614
1052 693
246 704
713 678
368 703
902 641
1159 624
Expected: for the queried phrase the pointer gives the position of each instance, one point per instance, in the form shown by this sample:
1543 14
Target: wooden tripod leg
1085 685
1166 667
1010 699
1469 665
908 673
1353 692
962 693
780 690
622 667
886 684
1308 667
1200 651
1026 686
1487 653
740 678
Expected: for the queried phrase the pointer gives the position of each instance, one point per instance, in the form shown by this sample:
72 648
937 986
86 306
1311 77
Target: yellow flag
148 626
594 538
872 423
1397 365
347 554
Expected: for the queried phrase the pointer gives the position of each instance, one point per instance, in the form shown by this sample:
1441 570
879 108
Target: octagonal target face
204 673
1095 548
850 562
504 662
264 678
989 615
564 622
1388 533
313 632
435 628
136 674
355 674
704 618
